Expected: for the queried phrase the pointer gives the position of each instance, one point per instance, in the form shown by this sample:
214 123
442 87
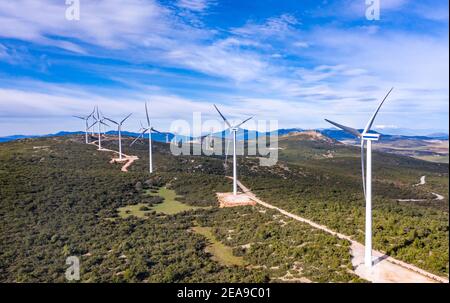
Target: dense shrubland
62 200
329 191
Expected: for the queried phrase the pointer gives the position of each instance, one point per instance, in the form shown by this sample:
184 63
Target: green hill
59 197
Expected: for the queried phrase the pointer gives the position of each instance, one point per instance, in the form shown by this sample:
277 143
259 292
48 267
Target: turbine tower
86 120
233 130
99 121
119 129
366 138
143 130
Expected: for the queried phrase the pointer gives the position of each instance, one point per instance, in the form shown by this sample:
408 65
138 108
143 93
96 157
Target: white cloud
3 52
112 23
301 44
280 27
260 65
194 5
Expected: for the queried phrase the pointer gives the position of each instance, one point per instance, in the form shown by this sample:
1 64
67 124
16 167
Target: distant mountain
245 134
15 137
340 135
19 137
412 132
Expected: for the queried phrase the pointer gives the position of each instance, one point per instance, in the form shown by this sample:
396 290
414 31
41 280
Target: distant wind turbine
119 128
144 130
86 120
233 130
99 121
366 137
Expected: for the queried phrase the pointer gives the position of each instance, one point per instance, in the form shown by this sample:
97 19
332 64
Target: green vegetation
329 191
222 253
140 210
170 205
64 198
278 246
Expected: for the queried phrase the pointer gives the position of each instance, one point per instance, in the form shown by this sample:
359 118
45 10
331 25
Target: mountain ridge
245 134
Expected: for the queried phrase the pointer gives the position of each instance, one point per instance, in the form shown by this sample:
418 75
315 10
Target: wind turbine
366 137
143 130
86 120
119 128
99 121
233 130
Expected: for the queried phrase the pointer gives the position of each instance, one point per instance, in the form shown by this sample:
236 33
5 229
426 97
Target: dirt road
385 269
128 160
422 181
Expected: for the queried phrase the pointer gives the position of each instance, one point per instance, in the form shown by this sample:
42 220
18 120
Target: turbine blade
111 121
237 126
363 167
347 129
369 124
93 124
125 118
146 113
79 117
223 117
139 137
91 114
156 131
104 123
142 126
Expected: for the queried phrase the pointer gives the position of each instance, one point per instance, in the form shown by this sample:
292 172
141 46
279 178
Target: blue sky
294 61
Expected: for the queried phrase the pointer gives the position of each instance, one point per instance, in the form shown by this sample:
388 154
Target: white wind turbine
366 137
233 130
99 121
144 130
86 120
119 129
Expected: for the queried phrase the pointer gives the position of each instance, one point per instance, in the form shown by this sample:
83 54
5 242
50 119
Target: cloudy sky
294 61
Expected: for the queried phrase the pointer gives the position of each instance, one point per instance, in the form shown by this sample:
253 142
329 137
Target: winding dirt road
385 269
422 182
128 160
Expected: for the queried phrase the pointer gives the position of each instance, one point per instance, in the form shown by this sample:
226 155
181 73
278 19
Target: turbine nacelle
371 137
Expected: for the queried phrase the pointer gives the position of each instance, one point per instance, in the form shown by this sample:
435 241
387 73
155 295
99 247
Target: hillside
60 197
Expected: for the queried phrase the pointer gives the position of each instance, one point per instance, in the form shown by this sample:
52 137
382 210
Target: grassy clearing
221 253
139 210
170 205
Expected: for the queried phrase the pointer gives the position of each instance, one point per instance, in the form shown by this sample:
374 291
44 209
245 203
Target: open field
428 150
220 252
139 210
170 205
